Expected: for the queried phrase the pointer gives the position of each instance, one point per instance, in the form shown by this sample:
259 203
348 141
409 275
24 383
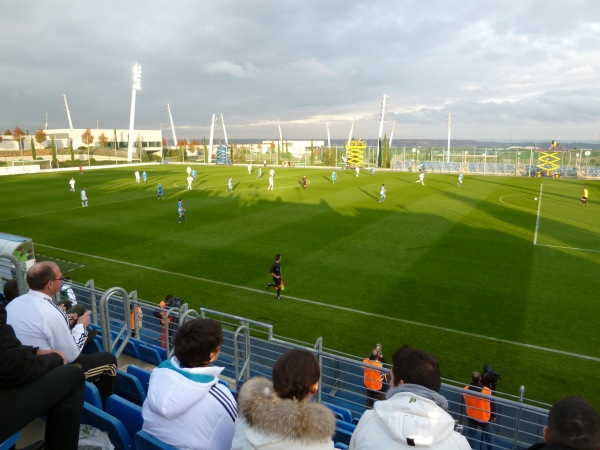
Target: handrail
105 321
20 274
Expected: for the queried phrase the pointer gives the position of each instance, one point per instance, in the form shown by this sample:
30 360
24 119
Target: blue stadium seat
343 432
145 441
93 346
141 374
341 446
152 354
92 395
116 431
340 412
10 442
127 412
130 388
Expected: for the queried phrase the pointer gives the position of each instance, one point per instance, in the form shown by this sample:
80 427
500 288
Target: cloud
229 68
312 67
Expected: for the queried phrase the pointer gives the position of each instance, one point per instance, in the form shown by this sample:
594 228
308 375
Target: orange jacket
479 408
373 378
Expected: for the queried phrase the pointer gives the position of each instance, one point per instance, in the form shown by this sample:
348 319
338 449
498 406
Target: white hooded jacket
188 408
406 420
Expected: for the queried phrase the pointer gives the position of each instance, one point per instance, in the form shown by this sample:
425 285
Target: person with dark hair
39 322
11 290
279 414
414 413
186 406
480 412
573 424
33 382
276 274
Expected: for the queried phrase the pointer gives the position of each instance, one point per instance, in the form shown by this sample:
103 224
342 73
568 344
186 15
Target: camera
490 377
174 302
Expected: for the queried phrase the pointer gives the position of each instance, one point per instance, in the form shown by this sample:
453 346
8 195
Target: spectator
572 424
69 299
186 406
279 414
38 322
137 318
480 413
11 290
413 414
374 379
166 322
35 382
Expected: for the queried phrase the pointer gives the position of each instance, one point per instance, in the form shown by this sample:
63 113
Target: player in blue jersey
230 185
145 177
181 211
333 177
460 179
160 192
382 194
259 173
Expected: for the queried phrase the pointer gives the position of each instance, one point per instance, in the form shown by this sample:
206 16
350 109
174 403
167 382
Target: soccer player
276 274
145 177
421 178
72 183
460 179
194 174
189 170
137 176
190 179
160 192
584 196
304 182
259 173
230 185
271 183
84 199
382 194
357 171
181 211
333 177
250 169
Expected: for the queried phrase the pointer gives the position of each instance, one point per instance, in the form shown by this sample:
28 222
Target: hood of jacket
413 419
173 390
269 414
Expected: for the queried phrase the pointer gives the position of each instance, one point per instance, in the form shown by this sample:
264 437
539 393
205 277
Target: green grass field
452 270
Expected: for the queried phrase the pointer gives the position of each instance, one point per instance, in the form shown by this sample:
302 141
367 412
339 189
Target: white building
150 140
296 148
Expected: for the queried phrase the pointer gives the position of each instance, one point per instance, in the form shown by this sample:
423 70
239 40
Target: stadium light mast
328 137
392 133
172 125
449 125
381 120
224 130
137 85
351 132
212 134
68 112
280 140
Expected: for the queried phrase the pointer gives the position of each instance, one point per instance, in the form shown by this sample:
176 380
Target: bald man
39 322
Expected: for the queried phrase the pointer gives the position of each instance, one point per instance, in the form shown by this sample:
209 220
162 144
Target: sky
506 71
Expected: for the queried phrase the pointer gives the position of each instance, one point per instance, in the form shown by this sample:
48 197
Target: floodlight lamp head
137 77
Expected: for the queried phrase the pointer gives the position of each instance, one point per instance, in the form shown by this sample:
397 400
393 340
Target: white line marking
568 248
340 308
513 206
537 220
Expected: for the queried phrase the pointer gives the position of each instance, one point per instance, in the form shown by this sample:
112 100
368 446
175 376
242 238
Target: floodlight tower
381 120
172 126
68 112
137 85
224 130
210 141
392 133
328 137
351 132
280 140
449 125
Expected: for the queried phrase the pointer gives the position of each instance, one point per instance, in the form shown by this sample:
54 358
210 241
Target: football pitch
482 273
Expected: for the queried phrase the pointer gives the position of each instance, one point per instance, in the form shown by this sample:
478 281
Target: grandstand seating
128 413
145 441
130 388
99 419
10 442
142 375
92 395
343 432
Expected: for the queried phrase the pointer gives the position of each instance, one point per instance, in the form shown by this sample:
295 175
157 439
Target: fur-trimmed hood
266 412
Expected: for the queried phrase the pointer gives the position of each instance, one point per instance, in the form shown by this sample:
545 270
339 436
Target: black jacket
19 364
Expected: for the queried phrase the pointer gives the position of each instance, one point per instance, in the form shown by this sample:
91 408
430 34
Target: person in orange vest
136 319
161 315
480 412
374 379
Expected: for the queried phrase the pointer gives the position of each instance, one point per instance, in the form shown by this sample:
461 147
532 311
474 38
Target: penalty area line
336 307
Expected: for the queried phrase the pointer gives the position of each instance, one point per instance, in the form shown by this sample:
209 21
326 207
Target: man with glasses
39 322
